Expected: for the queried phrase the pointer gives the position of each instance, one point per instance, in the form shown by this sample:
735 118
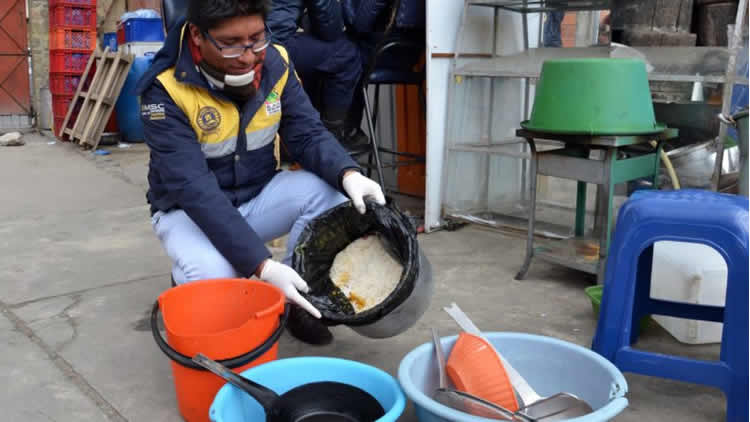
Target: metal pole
484 163
373 140
526 94
733 44
532 213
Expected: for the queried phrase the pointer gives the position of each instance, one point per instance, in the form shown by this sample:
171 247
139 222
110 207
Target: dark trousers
397 59
330 70
552 29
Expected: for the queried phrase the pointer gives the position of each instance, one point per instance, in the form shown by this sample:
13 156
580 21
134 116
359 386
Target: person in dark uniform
328 63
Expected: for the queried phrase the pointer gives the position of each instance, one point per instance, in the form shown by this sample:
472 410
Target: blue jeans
288 202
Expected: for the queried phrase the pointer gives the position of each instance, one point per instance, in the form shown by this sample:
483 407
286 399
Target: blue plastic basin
549 365
233 405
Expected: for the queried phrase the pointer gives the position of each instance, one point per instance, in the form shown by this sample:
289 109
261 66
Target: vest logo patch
153 111
208 119
273 103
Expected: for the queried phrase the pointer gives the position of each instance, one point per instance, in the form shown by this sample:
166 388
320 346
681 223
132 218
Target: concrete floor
80 269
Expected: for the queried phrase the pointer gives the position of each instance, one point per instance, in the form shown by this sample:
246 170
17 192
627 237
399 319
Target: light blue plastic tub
233 405
549 365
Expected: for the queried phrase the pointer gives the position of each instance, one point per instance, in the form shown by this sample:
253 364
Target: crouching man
218 103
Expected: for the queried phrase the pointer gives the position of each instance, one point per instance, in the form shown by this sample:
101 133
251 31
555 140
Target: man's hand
358 187
286 279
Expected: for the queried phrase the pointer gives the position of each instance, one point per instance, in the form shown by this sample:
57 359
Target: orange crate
72 39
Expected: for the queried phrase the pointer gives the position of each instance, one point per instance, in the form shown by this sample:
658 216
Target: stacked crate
72 39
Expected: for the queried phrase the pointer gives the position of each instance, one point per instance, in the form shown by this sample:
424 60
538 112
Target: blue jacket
326 22
207 156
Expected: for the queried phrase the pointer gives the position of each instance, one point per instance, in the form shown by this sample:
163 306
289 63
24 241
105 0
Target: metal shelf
674 64
580 253
509 148
536 6
495 143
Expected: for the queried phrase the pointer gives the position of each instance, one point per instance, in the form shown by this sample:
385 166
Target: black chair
399 43
172 12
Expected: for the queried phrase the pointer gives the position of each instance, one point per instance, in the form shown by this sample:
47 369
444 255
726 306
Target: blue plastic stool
717 220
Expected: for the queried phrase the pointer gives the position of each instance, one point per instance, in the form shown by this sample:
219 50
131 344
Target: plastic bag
330 233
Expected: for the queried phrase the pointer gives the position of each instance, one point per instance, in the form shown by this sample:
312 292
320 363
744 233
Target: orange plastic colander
474 367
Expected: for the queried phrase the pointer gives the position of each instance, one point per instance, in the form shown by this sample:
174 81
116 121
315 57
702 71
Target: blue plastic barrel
127 108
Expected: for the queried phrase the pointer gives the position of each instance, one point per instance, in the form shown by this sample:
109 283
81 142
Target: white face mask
219 79
239 86
239 80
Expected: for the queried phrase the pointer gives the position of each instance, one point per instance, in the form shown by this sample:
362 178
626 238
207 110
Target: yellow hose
668 164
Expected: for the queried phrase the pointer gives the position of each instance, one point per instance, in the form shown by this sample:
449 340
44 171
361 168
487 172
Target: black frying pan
313 402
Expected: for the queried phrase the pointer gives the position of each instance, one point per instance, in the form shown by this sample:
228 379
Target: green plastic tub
595 294
593 97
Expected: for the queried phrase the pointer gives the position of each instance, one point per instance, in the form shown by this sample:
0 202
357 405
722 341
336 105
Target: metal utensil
460 400
739 121
694 164
557 407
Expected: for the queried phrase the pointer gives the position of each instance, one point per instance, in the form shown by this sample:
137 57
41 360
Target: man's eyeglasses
234 51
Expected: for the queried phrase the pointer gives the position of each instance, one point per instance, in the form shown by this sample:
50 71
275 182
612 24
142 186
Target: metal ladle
460 400
557 407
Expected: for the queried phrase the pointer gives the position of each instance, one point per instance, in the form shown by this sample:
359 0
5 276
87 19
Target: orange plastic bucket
235 321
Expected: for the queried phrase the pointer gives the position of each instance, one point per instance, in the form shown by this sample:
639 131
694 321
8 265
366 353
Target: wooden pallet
98 101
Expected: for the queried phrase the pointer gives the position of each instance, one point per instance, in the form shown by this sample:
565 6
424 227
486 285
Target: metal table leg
605 215
580 226
580 209
532 210
373 144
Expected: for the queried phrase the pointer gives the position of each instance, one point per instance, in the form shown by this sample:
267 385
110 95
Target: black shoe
355 137
348 136
307 328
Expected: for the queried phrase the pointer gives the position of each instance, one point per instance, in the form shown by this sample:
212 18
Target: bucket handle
235 362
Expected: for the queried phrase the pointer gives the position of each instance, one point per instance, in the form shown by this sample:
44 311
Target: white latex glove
358 187
285 278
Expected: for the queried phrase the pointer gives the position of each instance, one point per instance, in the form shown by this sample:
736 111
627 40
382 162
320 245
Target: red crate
72 39
81 17
64 83
60 104
68 60
120 34
112 124
75 3
58 124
